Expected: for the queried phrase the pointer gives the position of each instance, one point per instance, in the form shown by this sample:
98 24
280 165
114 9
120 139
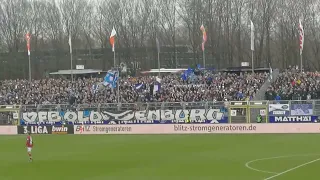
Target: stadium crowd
292 84
204 87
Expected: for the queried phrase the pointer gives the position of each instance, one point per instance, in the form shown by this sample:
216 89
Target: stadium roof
76 71
163 70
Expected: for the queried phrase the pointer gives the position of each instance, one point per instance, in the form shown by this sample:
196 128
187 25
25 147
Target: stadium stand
220 86
294 85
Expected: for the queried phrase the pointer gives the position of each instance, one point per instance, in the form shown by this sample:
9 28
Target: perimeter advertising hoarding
198 129
37 129
8 130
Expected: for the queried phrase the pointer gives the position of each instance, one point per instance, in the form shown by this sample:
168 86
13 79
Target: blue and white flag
111 79
139 86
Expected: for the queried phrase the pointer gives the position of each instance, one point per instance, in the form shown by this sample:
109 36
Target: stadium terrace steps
260 95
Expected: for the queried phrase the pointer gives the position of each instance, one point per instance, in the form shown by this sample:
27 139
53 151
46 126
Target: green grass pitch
160 157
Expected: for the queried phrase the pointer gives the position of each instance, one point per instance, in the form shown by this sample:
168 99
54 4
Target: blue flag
186 74
111 79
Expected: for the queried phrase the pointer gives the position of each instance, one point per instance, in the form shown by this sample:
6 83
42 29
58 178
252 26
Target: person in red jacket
29 145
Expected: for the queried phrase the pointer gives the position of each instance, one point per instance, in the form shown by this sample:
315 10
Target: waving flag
252 36
270 73
28 37
111 79
301 36
112 38
139 86
204 36
186 74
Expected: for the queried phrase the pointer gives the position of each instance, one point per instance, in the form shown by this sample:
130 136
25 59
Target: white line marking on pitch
275 157
291 169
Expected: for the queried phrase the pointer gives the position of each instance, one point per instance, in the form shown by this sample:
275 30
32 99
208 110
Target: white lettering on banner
198 115
59 129
39 130
293 119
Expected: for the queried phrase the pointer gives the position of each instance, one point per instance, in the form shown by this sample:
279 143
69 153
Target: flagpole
204 58
300 62
29 68
252 61
71 57
252 44
71 64
118 68
114 57
159 64
118 89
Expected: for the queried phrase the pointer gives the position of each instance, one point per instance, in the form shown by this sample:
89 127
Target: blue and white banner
279 110
293 119
301 109
198 116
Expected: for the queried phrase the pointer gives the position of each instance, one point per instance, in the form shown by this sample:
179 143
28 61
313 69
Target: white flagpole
114 57
71 57
71 64
29 66
301 62
252 61
118 87
159 64
204 58
158 50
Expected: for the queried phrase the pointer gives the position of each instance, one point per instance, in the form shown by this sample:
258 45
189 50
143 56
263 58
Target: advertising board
293 119
279 110
8 130
198 129
46 129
